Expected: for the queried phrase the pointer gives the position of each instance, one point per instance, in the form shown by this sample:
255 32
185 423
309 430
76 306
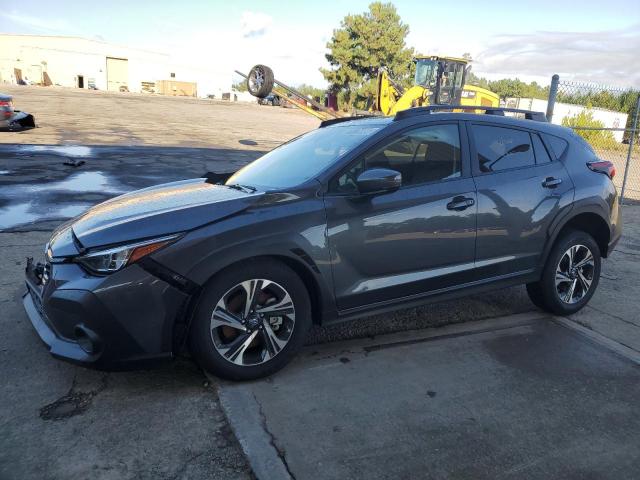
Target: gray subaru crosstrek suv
356 217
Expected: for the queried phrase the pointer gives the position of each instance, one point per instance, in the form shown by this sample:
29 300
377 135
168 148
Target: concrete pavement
613 311
515 397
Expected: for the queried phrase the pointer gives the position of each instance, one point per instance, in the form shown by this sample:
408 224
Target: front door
406 243
521 190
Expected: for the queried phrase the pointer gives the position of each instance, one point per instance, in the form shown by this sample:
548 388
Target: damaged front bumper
122 321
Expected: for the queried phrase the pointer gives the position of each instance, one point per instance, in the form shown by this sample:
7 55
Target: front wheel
570 276
252 319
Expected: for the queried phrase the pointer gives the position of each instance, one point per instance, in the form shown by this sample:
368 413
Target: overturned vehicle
11 119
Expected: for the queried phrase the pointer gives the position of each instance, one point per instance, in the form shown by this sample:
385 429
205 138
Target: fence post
553 93
629 153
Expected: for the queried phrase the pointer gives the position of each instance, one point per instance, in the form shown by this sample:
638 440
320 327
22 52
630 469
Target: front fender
295 232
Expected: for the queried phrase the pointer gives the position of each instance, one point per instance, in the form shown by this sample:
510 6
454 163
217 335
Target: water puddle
28 212
66 150
84 182
15 215
58 200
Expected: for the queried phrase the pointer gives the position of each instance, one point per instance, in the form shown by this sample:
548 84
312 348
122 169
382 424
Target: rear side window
501 148
542 156
557 144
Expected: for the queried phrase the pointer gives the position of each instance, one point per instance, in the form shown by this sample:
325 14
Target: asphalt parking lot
62 421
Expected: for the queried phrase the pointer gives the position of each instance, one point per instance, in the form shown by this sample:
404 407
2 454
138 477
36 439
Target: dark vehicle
11 119
271 99
357 217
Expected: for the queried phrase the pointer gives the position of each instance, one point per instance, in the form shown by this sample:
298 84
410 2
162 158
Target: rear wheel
570 276
252 320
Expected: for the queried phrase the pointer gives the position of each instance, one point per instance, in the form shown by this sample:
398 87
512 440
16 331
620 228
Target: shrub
596 138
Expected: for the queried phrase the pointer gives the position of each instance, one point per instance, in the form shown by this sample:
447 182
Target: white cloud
607 57
294 53
40 24
254 24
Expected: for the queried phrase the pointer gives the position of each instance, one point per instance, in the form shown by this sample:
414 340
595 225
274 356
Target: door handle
460 203
551 182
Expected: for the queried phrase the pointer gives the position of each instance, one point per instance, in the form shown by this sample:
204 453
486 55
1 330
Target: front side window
501 148
421 155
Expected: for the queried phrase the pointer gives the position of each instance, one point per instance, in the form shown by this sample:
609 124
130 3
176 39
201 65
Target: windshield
303 158
426 72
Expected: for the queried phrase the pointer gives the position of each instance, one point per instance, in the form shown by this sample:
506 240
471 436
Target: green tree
364 43
240 86
597 138
310 91
514 87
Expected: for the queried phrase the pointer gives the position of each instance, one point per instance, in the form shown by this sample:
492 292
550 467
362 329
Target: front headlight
113 259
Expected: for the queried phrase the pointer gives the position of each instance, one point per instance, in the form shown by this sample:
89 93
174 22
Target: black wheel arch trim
291 254
593 205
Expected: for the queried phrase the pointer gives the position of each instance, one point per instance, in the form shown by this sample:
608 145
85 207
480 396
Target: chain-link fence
607 118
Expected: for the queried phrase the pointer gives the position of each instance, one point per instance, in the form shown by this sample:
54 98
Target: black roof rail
333 121
412 112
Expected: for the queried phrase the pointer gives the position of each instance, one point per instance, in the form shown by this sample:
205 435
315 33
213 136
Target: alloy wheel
256 79
574 274
252 322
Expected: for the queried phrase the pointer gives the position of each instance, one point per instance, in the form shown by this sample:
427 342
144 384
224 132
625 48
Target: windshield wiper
242 188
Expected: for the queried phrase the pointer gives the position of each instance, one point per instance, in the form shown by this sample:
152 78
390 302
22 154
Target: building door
35 74
117 73
80 81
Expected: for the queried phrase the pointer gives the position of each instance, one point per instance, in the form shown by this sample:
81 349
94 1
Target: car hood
160 210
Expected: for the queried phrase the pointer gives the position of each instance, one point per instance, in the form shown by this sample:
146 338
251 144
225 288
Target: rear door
520 192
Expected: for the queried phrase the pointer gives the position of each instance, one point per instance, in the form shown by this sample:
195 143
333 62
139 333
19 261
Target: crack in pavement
181 470
73 403
272 439
633 254
613 315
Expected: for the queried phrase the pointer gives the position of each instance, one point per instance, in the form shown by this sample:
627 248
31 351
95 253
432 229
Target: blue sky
586 40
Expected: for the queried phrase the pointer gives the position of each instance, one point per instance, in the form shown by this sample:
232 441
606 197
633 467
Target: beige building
85 63
79 62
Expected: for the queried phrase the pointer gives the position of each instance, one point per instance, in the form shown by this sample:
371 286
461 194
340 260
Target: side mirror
378 180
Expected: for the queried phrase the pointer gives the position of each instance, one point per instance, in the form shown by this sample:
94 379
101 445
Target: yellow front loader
438 81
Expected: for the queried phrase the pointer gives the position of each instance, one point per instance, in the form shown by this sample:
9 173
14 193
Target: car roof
511 121
448 116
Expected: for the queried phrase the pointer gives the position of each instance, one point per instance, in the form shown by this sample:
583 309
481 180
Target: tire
260 81
231 344
569 279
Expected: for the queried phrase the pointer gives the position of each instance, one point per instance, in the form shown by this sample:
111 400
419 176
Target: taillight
603 166
5 104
